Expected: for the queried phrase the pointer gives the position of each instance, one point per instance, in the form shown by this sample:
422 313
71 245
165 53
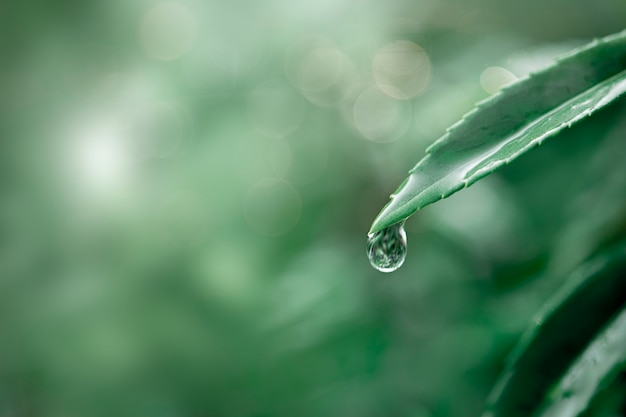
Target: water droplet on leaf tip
386 249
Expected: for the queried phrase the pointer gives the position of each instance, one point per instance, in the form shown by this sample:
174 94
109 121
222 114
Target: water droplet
386 248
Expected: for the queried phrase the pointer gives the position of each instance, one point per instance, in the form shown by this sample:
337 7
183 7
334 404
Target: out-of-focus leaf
588 300
610 401
512 122
598 366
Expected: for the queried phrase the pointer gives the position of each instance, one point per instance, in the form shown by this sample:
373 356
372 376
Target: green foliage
592 296
564 360
184 187
511 123
596 368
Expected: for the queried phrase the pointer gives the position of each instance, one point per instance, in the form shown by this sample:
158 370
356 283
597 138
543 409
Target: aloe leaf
610 400
510 123
591 296
597 367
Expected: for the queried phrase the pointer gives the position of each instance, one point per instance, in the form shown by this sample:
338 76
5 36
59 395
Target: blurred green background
185 189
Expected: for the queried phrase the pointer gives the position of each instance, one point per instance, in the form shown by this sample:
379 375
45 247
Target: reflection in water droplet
386 248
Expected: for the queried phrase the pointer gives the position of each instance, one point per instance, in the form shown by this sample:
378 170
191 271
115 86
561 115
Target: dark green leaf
598 366
511 123
590 298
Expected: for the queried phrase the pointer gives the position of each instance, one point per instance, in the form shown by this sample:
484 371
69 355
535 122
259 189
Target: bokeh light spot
401 69
168 31
102 159
381 118
321 71
494 78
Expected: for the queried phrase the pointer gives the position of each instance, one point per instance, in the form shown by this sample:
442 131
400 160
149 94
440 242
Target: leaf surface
592 295
510 123
597 367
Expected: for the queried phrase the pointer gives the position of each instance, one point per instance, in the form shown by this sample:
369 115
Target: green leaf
597 367
510 123
610 400
590 298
